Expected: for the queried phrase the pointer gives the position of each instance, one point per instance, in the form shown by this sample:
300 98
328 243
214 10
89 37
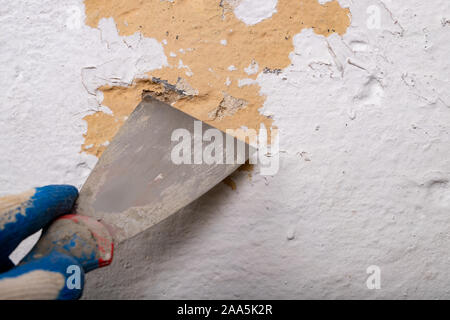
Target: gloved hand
52 271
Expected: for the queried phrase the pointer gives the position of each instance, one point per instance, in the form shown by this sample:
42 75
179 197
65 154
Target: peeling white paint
254 11
246 82
253 68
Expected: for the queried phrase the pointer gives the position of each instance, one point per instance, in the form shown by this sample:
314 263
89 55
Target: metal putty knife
135 185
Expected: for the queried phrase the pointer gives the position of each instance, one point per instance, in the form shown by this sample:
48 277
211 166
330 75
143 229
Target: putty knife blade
135 184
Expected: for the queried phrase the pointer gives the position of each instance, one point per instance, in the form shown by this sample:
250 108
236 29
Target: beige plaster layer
209 50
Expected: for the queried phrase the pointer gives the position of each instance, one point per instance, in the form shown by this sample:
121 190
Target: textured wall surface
358 89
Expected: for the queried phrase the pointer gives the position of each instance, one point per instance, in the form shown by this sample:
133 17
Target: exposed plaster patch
268 42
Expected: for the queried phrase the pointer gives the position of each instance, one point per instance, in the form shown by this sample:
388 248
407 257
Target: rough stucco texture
363 111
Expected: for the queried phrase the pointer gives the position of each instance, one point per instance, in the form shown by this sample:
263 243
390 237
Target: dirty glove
49 275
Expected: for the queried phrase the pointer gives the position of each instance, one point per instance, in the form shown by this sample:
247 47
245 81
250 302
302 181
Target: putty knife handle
83 238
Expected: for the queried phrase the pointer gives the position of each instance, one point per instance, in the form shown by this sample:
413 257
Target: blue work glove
52 275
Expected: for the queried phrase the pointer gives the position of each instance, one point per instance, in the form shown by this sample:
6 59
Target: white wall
365 158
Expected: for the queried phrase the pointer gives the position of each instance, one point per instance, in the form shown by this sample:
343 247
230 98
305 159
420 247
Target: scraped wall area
213 57
359 91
